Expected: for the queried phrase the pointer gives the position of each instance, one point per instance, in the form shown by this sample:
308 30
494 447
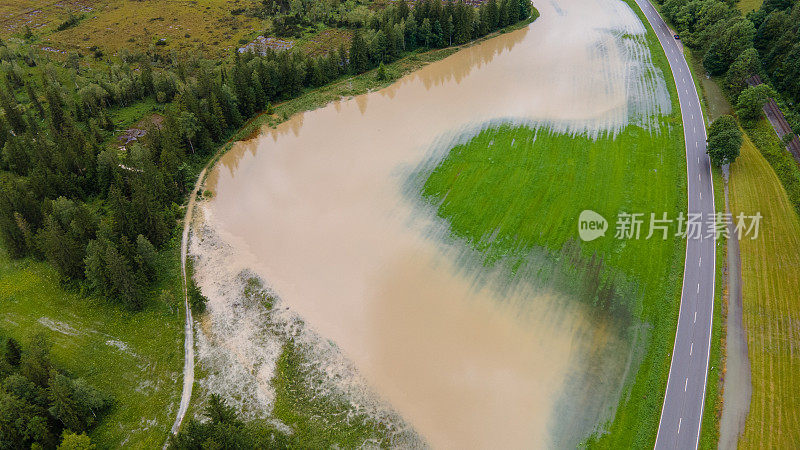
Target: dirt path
737 390
188 343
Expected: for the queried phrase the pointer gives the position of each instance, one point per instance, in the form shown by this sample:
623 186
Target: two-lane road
682 411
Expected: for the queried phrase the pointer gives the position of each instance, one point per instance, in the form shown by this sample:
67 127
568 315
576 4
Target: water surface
317 209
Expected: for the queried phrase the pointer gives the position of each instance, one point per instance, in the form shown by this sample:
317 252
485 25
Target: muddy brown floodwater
318 208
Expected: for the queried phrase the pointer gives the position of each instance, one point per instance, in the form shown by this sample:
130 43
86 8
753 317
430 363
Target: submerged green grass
512 190
318 421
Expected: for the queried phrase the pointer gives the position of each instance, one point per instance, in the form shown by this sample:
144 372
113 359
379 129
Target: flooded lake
320 209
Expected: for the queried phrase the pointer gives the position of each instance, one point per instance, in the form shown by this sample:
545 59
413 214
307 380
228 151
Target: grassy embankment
545 185
136 357
709 429
771 300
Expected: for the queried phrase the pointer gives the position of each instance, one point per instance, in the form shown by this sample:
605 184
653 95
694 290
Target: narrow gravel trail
188 343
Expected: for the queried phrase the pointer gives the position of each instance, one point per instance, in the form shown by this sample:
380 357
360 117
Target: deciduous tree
751 101
724 140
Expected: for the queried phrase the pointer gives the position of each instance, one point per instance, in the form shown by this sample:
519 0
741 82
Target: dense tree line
778 43
765 43
40 406
288 17
98 213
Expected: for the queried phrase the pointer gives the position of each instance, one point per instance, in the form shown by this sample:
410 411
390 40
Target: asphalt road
682 411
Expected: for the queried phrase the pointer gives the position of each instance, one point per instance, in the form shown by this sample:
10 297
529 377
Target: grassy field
206 25
319 44
134 357
771 301
781 161
37 14
526 189
212 27
749 5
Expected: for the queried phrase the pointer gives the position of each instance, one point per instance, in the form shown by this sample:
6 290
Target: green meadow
135 357
512 190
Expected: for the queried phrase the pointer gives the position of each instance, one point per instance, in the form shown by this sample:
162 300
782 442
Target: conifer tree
359 59
13 352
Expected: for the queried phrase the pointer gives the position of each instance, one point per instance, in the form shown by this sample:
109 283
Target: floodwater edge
310 100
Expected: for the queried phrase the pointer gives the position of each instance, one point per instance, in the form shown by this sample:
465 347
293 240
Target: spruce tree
426 33
13 352
29 89
438 34
359 59
449 30
13 114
